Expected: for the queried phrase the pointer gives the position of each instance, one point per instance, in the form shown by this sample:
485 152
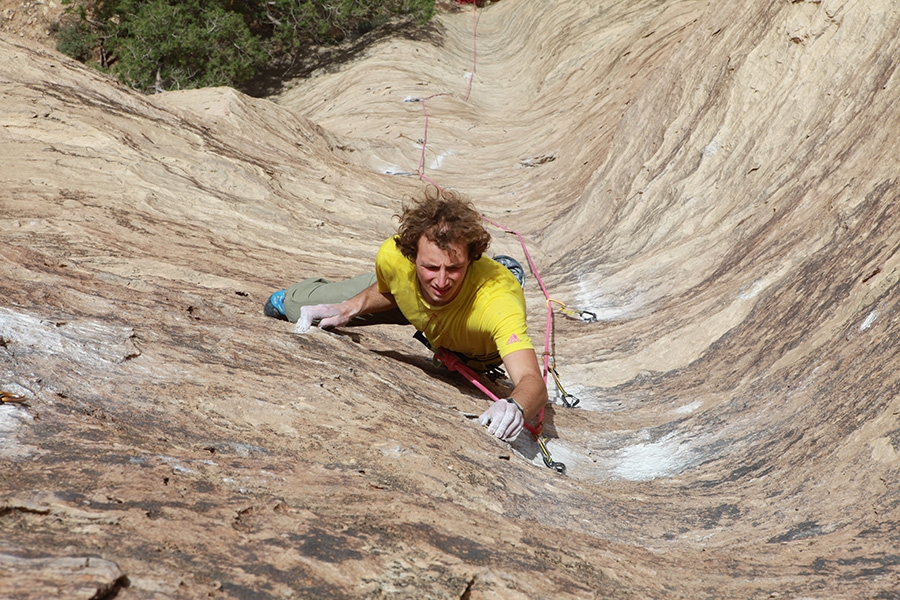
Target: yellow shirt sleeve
384 271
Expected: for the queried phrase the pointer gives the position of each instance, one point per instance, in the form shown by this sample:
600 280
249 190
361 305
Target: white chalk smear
712 148
868 321
12 418
750 291
688 408
82 341
642 462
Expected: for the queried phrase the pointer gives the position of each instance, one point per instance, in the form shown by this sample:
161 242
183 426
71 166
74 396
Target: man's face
440 273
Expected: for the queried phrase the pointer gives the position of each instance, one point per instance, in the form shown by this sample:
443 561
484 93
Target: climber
433 275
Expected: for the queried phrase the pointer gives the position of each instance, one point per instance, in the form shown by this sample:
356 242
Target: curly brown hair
443 217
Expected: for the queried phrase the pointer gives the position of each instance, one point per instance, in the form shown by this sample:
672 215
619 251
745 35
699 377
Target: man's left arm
504 419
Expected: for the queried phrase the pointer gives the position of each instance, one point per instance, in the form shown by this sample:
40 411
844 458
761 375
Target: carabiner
568 400
548 461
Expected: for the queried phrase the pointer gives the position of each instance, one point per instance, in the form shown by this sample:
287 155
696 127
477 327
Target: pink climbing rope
421 170
474 50
450 360
534 271
420 173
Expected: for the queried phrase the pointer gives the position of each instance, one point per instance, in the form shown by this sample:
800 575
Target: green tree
299 23
77 40
156 45
163 44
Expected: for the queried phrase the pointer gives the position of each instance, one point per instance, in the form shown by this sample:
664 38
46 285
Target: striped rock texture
716 182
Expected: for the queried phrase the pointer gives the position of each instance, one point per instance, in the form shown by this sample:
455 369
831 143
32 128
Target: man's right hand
323 316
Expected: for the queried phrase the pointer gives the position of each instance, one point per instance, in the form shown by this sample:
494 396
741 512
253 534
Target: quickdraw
568 400
585 316
545 454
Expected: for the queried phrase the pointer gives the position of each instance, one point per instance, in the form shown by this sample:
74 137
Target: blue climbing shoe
513 265
275 306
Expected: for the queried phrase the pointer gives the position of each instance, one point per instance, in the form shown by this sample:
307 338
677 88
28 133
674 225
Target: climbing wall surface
713 181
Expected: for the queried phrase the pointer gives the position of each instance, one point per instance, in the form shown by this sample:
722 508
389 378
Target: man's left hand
504 420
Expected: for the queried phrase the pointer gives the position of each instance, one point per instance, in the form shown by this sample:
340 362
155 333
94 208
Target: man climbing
433 275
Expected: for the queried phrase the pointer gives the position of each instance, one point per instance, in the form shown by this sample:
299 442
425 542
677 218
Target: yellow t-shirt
485 321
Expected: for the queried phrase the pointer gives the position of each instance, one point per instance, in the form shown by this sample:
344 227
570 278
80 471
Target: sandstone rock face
715 181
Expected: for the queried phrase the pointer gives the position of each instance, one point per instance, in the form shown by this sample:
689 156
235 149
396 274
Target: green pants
321 291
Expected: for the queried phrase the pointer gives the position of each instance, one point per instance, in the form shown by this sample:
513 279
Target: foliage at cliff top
157 45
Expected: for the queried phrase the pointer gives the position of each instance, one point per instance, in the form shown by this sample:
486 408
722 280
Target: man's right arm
325 316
